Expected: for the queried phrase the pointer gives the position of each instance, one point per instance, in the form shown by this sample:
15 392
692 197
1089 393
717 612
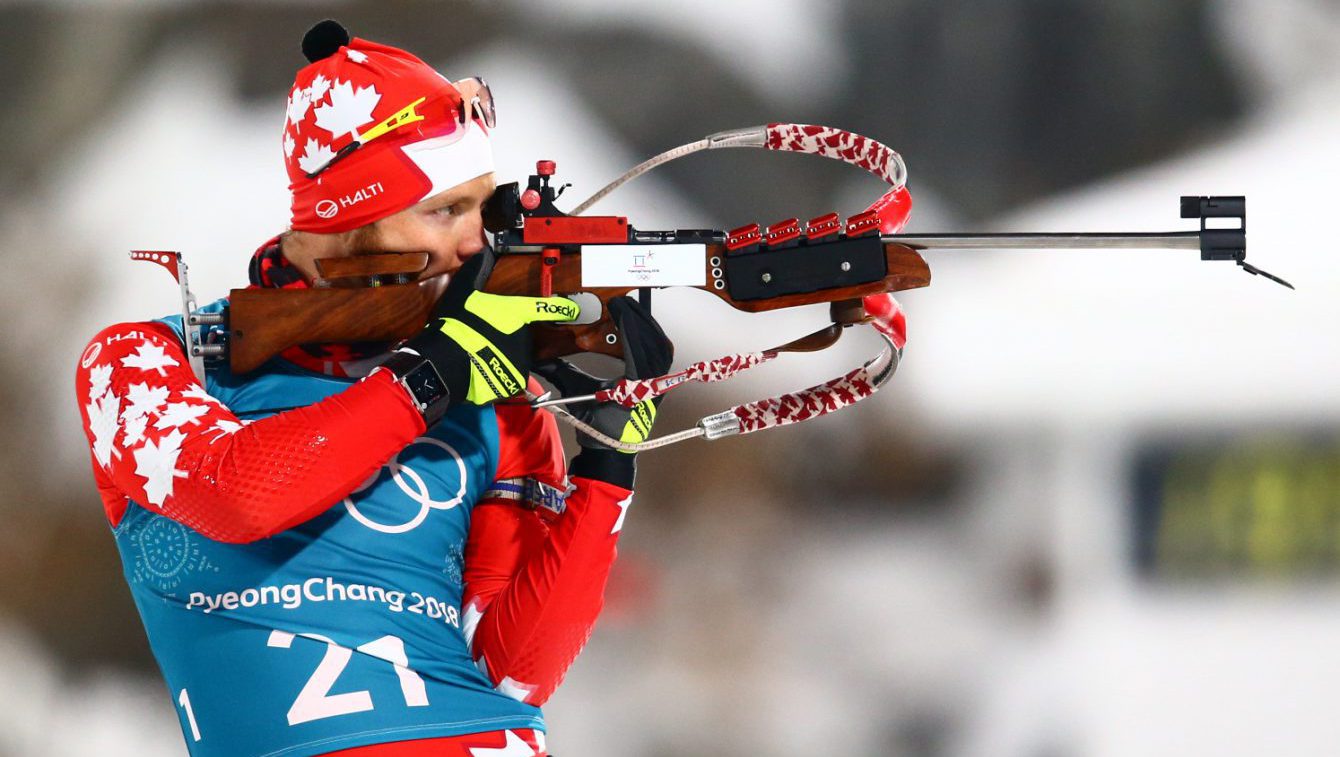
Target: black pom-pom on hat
324 40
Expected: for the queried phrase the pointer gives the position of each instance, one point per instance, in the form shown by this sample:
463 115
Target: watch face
425 384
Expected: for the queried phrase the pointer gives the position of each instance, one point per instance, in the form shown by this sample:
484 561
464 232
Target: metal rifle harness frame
789 258
853 264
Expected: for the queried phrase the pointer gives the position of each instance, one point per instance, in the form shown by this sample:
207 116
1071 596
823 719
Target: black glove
647 354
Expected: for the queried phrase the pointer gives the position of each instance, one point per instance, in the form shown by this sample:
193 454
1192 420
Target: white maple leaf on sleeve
149 356
297 107
178 414
103 413
134 430
289 144
197 392
357 56
99 378
349 109
157 465
143 400
314 155
318 88
224 427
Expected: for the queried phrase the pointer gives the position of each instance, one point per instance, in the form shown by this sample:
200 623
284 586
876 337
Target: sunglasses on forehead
481 103
477 106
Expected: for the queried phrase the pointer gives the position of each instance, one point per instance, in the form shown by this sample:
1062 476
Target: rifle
852 264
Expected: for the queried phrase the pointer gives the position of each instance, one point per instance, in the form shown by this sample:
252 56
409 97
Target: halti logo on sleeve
90 354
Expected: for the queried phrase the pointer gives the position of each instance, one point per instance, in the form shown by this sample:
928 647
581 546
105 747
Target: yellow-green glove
479 342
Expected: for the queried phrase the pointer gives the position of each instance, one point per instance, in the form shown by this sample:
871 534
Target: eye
449 210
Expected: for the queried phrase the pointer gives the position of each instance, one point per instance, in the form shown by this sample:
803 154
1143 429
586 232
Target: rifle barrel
1187 240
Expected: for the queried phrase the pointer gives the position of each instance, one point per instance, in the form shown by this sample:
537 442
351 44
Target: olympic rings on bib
413 485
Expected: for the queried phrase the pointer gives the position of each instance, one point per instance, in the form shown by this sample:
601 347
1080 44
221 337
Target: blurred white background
1096 513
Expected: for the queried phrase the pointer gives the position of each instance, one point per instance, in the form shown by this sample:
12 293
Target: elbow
232 522
490 657
531 676
252 523
232 509
237 532
520 689
245 536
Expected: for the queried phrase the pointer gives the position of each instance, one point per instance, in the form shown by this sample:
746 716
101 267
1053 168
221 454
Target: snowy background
958 567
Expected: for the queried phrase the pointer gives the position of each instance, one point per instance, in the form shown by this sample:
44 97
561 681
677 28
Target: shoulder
141 359
147 345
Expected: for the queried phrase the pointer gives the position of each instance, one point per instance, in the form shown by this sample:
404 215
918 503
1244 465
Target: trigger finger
556 309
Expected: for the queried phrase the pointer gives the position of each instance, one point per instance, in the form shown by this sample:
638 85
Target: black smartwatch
423 383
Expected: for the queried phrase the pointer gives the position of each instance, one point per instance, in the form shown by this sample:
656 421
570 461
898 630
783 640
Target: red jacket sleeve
533 590
158 438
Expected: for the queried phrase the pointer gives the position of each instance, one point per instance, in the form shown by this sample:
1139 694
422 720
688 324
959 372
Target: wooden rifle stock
353 303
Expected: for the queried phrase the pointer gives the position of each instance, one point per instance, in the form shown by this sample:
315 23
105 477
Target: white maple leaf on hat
149 356
102 423
134 430
314 155
317 89
350 107
289 144
143 400
297 107
98 380
197 392
157 465
357 56
178 414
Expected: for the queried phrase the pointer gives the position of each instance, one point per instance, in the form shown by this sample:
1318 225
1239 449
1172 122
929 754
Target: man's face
449 226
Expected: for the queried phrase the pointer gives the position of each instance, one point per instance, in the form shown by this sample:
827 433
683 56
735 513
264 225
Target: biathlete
365 549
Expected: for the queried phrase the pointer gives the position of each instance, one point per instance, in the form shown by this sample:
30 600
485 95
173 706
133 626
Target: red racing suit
533 580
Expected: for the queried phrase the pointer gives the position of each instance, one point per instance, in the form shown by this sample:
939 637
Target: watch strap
529 493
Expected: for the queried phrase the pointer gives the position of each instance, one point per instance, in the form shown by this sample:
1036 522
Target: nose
471 246
472 238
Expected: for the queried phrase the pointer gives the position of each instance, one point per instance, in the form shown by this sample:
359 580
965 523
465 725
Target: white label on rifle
644 265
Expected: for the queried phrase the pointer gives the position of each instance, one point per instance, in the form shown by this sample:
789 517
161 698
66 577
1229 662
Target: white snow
1078 337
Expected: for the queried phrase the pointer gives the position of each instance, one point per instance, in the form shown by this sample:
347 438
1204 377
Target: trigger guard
591 309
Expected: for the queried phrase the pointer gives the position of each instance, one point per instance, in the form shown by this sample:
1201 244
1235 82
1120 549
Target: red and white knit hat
397 122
